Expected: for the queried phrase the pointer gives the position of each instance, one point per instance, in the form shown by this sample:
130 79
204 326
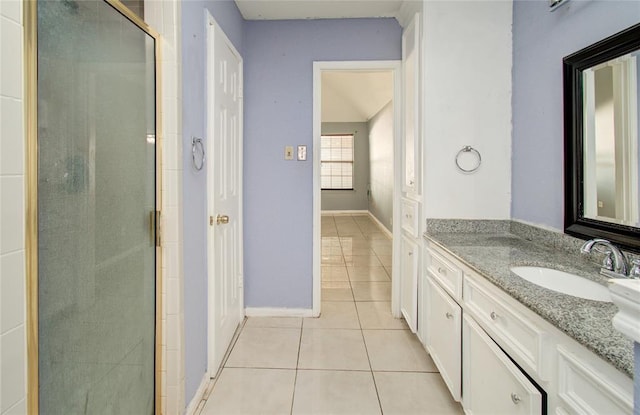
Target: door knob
222 219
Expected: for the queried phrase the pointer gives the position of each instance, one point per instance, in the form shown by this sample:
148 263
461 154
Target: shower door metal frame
30 16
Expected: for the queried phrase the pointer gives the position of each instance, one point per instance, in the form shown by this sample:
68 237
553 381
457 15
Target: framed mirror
601 111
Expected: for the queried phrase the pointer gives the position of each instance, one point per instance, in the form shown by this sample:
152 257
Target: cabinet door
409 282
411 140
492 383
444 335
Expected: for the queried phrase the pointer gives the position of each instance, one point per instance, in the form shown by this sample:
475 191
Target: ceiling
317 9
354 96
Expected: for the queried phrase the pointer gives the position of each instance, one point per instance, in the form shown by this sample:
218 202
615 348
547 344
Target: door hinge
240 281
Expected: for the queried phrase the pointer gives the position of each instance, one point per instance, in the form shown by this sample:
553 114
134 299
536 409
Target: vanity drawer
448 275
410 217
522 339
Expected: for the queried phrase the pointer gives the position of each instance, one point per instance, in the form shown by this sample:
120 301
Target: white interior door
224 184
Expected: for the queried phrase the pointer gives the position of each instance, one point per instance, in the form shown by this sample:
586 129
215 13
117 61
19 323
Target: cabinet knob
410 253
493 315
515 398
449 315
442 271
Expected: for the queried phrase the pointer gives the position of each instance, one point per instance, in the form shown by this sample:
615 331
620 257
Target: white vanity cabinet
412 156
409 282
443 337
508 359
492 383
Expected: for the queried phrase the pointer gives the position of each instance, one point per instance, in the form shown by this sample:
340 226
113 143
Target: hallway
355 359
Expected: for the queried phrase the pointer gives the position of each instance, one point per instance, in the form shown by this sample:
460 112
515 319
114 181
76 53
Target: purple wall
278 65
194 43
540 40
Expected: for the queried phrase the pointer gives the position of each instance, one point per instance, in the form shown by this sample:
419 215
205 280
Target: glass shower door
96 198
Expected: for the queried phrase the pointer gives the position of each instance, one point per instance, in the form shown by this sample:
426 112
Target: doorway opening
356 184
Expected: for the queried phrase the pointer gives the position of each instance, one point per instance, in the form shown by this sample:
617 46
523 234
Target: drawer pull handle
493 315
442 271
449 315
515 398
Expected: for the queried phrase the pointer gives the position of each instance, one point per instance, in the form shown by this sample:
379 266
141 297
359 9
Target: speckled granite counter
493 253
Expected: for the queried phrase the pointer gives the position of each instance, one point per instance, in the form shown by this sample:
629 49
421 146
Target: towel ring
469 149
197 147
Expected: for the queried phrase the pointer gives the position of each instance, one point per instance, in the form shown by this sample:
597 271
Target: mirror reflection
611 150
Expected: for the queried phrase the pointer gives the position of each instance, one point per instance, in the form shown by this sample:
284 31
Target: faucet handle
635 269
607 262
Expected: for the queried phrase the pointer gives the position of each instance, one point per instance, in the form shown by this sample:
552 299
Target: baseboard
380 225
277 312
343 212
199 396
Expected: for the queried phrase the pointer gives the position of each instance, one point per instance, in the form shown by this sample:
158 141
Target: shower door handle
154 228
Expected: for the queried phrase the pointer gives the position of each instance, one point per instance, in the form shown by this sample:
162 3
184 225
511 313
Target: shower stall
93 197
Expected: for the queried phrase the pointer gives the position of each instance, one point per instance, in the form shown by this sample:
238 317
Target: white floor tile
377 315
266 347
397 351
332 260
335 392
333 355
371 291
330 293
333 349
335 315
252 391
368 274
350 250
334 273
274 322
415 393
362 261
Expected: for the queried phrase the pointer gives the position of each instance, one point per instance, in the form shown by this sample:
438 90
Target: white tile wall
165 18
12 192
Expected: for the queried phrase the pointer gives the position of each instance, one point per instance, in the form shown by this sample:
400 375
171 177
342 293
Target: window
336 161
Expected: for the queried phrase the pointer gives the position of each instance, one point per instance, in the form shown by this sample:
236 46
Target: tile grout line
373 377
295 376
366 349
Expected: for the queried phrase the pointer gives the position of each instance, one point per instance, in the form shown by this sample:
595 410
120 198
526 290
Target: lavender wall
278 68
194 42
540 40
381 131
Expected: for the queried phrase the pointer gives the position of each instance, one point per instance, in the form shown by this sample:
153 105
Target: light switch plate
288 153
302 153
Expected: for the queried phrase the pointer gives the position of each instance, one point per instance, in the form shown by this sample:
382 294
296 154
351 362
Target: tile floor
355 359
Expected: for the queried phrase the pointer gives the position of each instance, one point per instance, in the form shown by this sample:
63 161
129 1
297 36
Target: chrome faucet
615 264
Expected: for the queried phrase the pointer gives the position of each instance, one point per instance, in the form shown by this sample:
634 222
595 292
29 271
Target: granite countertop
586 321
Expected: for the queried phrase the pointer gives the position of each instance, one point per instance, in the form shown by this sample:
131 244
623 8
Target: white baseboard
343 212
380 225
277 312
200 395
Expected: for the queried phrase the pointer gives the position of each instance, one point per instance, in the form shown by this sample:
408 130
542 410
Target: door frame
395 66
211 27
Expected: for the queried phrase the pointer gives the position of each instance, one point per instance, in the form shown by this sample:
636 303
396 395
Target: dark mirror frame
574 221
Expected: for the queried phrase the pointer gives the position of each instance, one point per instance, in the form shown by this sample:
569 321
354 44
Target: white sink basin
564 283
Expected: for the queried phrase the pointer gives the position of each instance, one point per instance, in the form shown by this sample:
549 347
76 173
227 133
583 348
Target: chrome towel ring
469 149
197 152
